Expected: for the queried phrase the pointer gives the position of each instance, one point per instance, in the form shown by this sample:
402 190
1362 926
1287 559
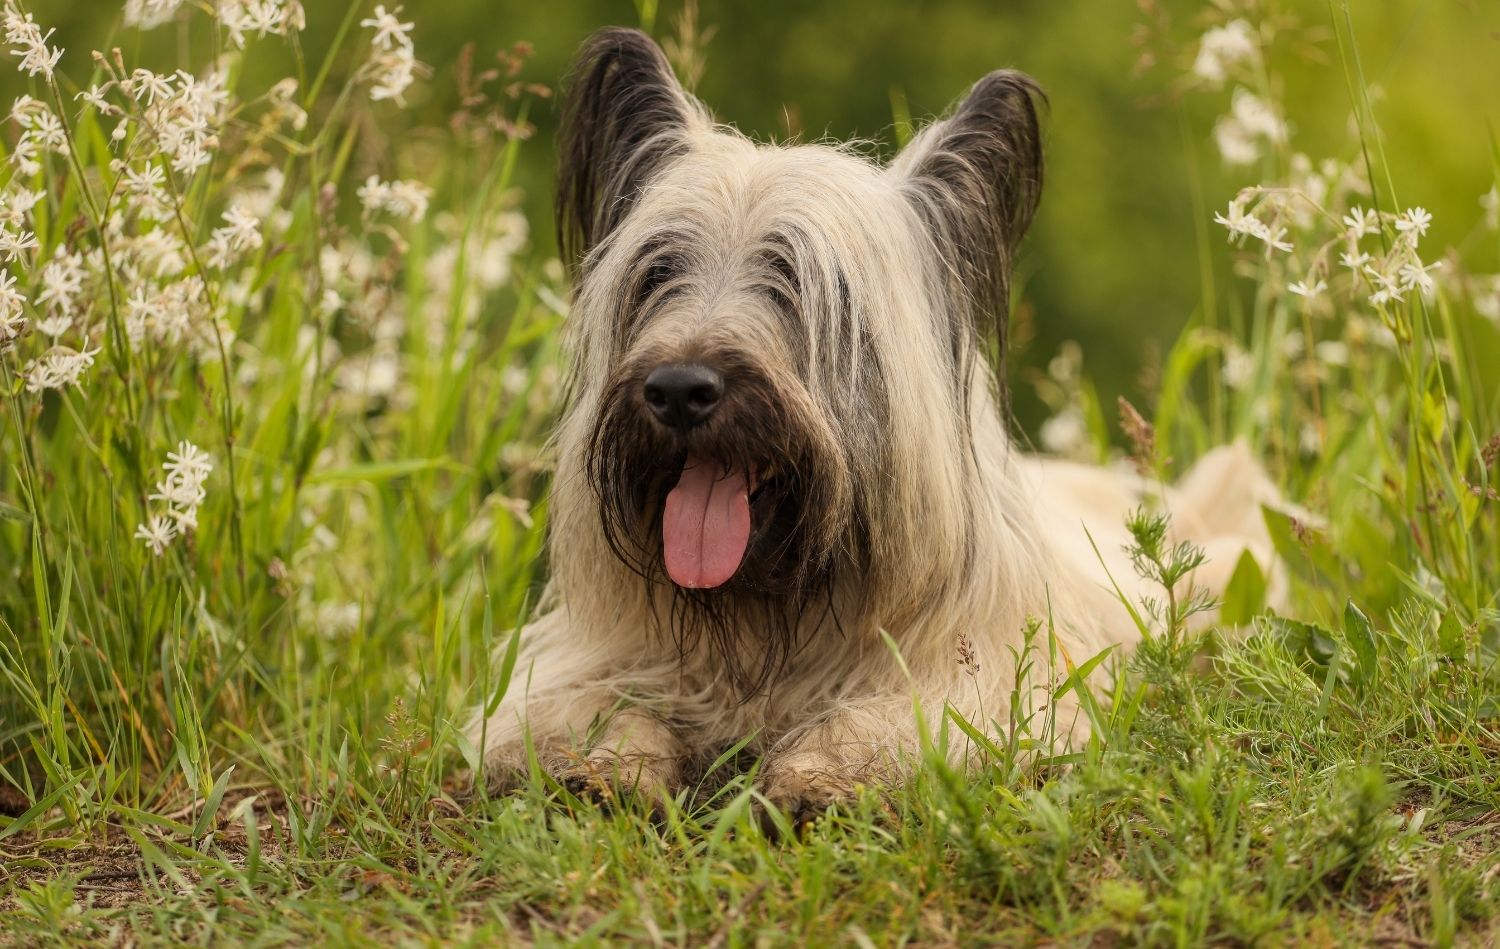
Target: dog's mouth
706 522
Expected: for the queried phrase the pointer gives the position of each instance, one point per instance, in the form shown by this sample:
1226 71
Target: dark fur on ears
623 118
976 179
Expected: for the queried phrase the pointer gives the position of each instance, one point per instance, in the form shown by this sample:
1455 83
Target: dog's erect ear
624 117
975 177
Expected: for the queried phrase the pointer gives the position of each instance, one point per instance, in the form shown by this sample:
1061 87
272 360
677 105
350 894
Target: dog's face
753 325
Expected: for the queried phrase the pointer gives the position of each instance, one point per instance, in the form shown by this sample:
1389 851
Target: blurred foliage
1114 259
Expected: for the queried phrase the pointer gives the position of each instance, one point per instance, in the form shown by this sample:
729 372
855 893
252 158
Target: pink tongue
705 526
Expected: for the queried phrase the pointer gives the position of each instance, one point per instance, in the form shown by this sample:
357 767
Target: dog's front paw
804 787
607 780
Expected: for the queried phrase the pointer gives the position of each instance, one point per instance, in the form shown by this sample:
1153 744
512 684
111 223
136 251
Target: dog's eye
662 271
783 286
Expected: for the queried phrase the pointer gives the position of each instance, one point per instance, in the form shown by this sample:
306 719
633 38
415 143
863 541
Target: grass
250 738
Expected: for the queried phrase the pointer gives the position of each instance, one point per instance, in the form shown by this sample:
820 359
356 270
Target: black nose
683 396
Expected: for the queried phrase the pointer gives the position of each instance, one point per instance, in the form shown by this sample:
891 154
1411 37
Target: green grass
251 738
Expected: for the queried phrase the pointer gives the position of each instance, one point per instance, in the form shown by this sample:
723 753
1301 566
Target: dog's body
783 440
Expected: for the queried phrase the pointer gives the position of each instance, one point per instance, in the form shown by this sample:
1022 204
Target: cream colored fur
977 537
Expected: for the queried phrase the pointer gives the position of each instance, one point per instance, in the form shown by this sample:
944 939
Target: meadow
279 351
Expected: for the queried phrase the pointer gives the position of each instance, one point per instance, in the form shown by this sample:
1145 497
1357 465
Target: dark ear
624 117
975 178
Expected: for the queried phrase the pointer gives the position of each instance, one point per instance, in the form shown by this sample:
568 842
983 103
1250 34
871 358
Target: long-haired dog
785 499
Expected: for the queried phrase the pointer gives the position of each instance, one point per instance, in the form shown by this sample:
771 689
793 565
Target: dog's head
778 349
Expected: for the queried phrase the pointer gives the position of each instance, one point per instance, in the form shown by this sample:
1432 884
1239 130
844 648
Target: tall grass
368 376
254 696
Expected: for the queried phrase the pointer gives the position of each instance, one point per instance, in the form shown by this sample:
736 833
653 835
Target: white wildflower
29 42
1249 121
1490 203
1388 288
1486 305
1065 433
16 206
239 235
147 87
1414 221
62 283
12 311
1307 290
157 532
58 368
261 18
1241 224
1414 276
1236 145
25 155
1355 260
406 199
1332 352
149 14
55 325
1360 222
1274 239
1310 439
390 32
93 97
183 492
1221 48
14 243
1238 221
1239 367
1257 117
393 65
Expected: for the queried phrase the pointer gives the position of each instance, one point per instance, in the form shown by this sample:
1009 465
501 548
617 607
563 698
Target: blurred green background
1133 176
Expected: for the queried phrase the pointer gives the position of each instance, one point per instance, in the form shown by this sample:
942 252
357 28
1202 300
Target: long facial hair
836 507
803 525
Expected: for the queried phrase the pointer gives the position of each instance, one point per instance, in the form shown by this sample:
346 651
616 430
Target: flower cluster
182 492
260 17
393 63
58 368
1223 49
29 42
1251 125
404 199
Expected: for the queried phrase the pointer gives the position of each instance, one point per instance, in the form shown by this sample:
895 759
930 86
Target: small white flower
1275 239
390 32
1490 202
1360 222
93 97
29 42
1355 261
58 368
1309 291
393 65
1236 145
407 199
1222 47
1414 276
1333 352
148 14
157 532
1414 221
1389 289
1239 368
14 244
1310 439
147 86
1065 433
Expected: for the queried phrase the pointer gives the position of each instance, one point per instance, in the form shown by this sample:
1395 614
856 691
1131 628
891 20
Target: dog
787 505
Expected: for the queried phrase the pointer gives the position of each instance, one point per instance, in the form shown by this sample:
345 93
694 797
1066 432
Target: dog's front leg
868 742
635 753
